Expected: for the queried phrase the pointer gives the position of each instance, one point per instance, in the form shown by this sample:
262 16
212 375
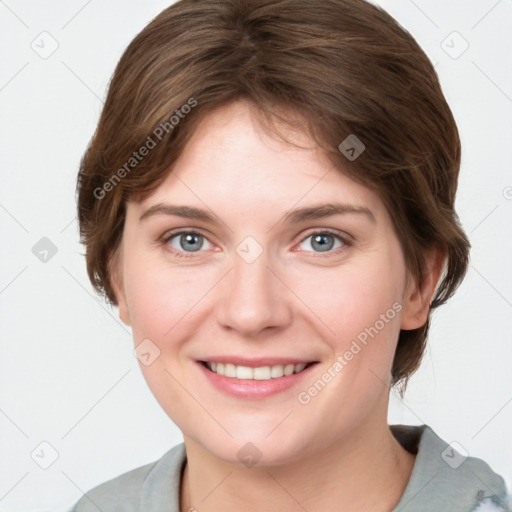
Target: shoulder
129 491
452 462
446 477
107 495
494 504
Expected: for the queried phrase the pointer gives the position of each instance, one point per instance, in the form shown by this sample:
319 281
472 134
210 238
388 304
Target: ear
417 299
116 278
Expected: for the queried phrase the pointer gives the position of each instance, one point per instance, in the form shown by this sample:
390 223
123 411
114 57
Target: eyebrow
316 211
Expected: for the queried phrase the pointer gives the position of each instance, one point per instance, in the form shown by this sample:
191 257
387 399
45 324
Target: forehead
231 162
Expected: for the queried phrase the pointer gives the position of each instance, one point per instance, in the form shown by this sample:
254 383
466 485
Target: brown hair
345 66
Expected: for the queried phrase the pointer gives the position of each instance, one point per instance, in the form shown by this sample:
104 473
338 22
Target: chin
257 449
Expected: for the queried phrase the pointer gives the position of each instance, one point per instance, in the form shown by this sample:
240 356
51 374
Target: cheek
162 300
149 302
350 299
358 307
161 303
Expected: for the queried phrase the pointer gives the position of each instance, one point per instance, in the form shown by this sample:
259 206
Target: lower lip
251 388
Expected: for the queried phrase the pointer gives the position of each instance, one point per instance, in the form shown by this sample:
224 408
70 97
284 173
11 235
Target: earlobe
118 287
417 299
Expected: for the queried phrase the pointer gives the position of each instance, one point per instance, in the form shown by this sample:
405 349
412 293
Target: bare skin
333 451
292 488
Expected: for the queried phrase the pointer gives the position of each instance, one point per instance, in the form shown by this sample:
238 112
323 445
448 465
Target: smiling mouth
256 373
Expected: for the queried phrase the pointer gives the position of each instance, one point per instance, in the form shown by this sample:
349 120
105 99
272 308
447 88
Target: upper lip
257 361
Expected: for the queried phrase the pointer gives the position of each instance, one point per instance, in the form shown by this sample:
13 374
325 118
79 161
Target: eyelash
345 239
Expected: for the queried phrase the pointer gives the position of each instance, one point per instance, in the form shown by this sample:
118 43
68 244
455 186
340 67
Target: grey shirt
442 480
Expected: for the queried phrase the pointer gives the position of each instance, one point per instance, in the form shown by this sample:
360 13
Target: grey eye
188 242
322 242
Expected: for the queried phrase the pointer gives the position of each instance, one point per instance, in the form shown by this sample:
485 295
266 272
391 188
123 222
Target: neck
367 472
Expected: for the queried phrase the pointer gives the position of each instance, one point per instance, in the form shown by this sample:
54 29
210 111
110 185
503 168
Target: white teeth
262 373
243 372
288 369
259 373
230 370
277 371
299 367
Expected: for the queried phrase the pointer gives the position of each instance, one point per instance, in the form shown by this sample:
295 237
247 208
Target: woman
269 200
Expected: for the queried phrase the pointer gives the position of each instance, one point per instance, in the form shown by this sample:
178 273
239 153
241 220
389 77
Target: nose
254 298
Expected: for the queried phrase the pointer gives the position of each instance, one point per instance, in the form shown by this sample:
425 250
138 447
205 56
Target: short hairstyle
344 67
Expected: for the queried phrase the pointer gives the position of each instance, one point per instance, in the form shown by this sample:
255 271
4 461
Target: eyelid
183 231
346 240
343 237
168 235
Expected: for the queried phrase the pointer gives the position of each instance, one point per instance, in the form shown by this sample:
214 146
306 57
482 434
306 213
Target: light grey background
67 373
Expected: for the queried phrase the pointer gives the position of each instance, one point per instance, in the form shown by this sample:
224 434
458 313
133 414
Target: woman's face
268 283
